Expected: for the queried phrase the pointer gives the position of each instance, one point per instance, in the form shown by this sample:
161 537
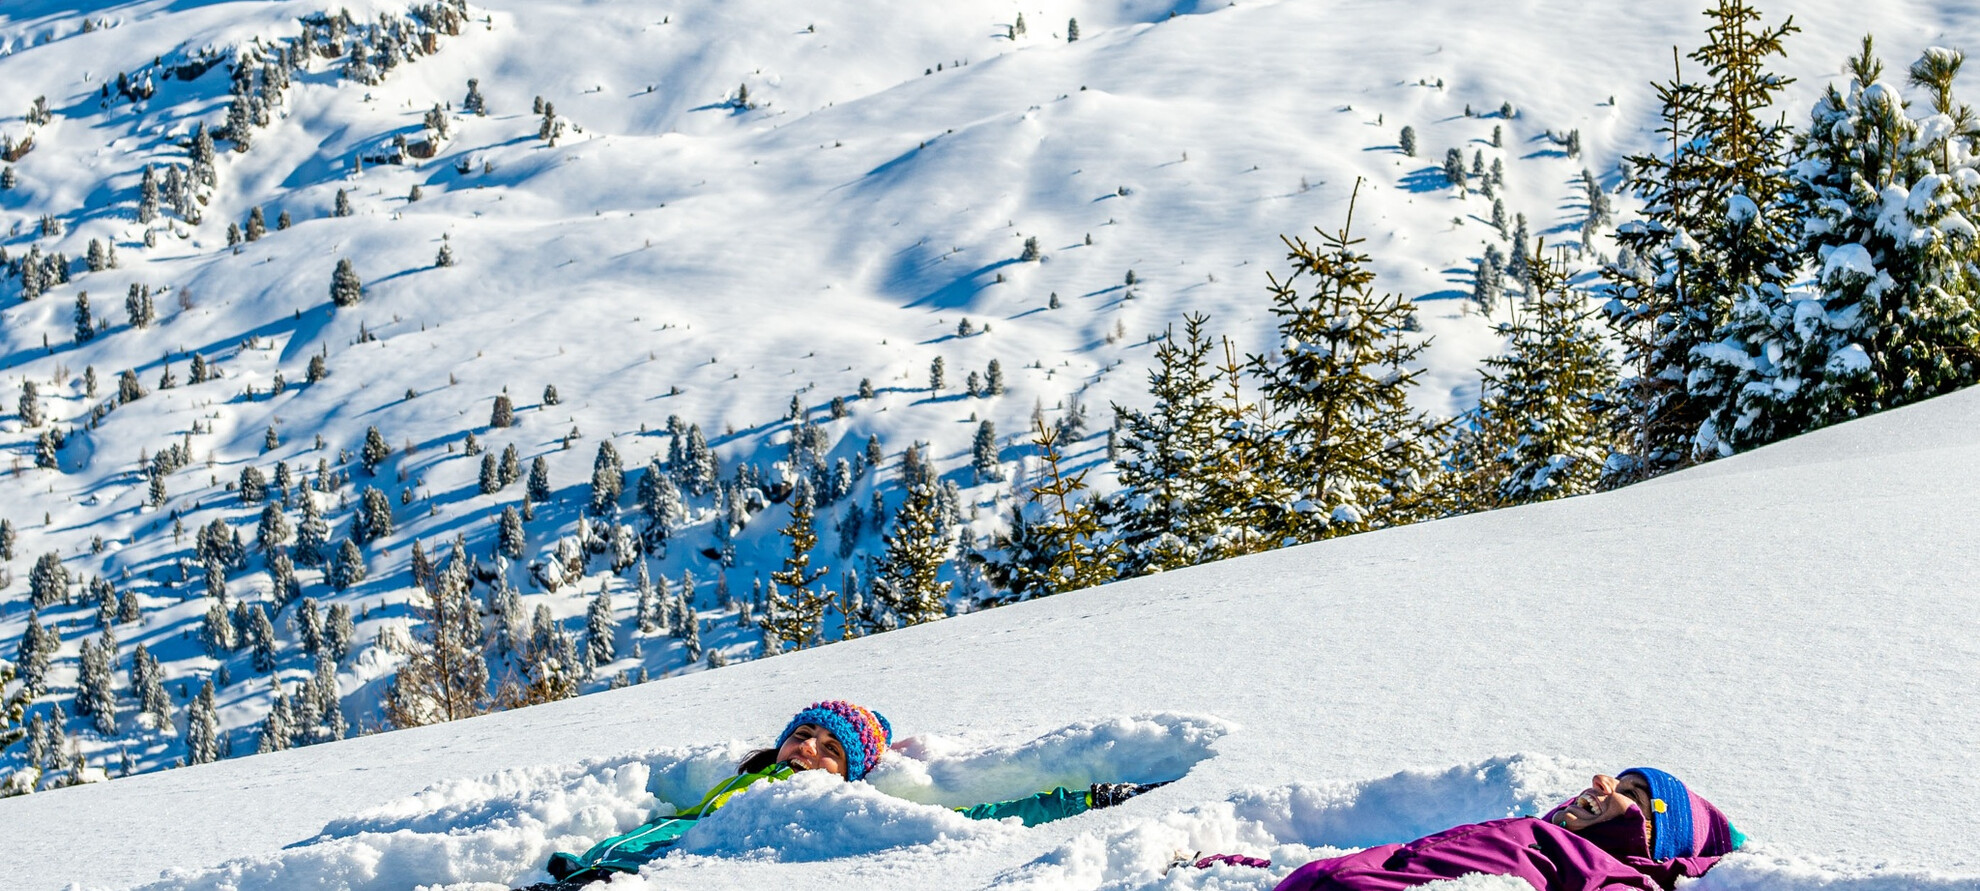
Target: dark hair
757 760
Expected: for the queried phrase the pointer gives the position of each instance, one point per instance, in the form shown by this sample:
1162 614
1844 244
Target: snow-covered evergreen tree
96 695
48 581
1716 231
203 728
1167 452
374 517
345 288
339 632
374 451
445 675
1537 433
608 480
794 611
274 735
312 534
538 488
85 328
1889 198
1350 453
907 580
601 629
347 567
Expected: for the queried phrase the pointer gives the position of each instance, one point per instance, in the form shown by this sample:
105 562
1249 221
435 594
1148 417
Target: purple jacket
1611 855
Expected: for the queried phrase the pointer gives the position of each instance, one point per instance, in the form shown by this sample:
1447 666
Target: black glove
1110 794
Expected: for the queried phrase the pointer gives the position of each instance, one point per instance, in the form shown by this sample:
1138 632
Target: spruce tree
505 412
1454 169
343 206
273 529
511 467
29 405
907 580
445 675
274 735
491 476
1537 433
1715 233
148 683
339 632
263 641
347 567
85 329
1167 456
35 652
794 614
203 728
48 581
312 534
96 695
375 450
6 539
1408 141
374 517
600 629
1891 316
539 480
345 288
1348 453
608 480
253 487
257 224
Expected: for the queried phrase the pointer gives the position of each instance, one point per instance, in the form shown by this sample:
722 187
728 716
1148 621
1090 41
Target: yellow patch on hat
1657 804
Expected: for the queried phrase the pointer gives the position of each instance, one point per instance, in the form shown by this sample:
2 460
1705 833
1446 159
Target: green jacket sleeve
1035 809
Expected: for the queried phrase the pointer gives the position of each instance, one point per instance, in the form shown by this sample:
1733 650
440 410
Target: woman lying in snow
836 736
1642 829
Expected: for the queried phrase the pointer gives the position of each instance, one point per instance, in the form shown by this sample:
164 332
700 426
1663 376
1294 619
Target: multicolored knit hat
864 733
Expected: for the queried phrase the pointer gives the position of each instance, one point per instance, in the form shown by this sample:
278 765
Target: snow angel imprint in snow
1640 829
834 737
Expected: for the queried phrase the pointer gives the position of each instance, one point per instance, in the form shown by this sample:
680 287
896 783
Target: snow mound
961 771
817 816
500 829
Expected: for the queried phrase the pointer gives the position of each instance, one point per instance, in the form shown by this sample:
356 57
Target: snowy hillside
743 204
1792 629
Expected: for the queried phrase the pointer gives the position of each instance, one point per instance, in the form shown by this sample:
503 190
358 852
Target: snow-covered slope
675 255
1792 630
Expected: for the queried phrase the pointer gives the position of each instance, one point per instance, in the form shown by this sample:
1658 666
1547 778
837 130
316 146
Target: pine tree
1891 316
907 580
375 450
253 488
539 480
343 207
1715 234
1351 454
1064 545
1454 169
96 694
6 540
511 467
1072 30
148 196
345 288
30 404
1537 433
608 480
282 221
273 529
48 581
983 453
85 324
445 675
148 683
203 728
262 641
35 652
660 499
374 517
257 224
505 412
601 629
936 378
1408 141
312 534
1168 453
216 632
339 632
347 568
275 730
794 614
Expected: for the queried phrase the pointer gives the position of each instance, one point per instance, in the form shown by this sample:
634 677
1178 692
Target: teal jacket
628 852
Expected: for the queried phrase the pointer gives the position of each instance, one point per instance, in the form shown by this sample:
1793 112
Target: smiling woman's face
1605 799
811 747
